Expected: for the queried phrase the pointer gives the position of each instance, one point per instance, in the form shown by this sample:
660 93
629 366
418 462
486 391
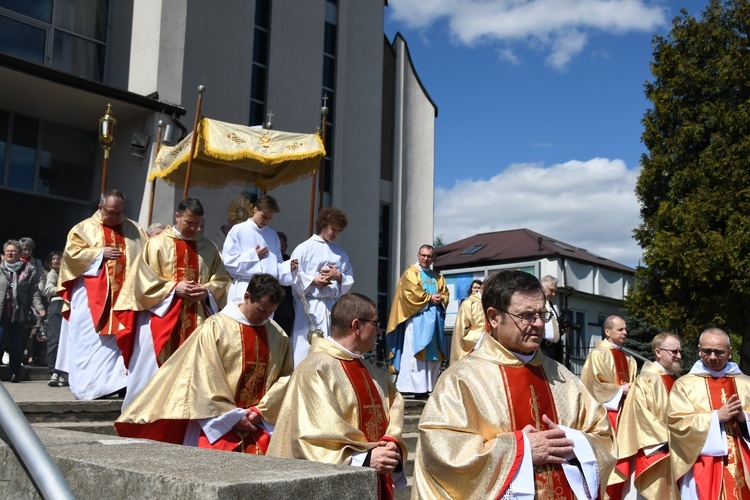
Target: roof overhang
51 95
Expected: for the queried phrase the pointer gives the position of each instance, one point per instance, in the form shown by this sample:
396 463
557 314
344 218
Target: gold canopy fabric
227 153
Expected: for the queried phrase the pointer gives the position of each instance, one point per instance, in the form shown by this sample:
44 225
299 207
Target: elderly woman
20 303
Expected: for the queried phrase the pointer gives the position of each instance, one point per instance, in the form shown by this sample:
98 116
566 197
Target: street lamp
107 125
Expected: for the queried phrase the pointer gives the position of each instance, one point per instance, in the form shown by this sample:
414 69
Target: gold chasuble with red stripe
643 426
622 377
373 421
723 477
181 319
223 366
338 406
643 462
528 396
250 391
104 288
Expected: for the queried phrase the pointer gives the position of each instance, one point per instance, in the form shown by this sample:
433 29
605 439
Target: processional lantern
107 127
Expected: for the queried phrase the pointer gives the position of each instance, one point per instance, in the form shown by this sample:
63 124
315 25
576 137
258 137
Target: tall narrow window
260 62
384 258
330 43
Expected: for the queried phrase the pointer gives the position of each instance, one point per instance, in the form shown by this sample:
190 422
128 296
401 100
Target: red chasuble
373 421
181 319
723 477
623 375
250 391
529 397
104 288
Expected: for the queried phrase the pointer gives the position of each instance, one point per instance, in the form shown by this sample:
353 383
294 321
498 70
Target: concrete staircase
412 413
98 417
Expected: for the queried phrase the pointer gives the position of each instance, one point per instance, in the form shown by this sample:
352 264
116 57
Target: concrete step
413 406
103 428
55 412
411 423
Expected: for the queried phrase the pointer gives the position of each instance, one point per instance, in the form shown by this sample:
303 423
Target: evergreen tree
694 186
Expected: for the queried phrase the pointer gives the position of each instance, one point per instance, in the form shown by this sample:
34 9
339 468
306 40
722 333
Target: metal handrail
635 355
40 466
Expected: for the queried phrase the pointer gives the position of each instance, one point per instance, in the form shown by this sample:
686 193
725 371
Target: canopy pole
153 182
312 201
194 138
323 115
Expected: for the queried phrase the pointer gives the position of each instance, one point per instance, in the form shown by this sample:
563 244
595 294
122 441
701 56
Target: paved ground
37 391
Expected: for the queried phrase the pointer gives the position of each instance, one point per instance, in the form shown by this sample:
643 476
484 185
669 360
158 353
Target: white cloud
589 204
507 54
557 26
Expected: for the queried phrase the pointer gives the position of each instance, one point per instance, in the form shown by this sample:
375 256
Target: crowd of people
190 335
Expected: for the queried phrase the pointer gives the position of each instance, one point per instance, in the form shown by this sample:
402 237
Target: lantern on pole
107 126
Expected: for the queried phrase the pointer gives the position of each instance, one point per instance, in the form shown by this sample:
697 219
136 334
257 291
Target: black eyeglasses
708 352
673 352
528 318
374 322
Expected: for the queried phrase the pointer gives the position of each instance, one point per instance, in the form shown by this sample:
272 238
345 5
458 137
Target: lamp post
107 125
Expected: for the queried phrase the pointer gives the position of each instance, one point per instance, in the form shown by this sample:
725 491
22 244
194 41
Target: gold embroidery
374 415
255 374
534 407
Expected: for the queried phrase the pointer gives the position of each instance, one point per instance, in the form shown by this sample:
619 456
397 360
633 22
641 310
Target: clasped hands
384 457
326 276
731 409
550 446
263 252
191 290
249 421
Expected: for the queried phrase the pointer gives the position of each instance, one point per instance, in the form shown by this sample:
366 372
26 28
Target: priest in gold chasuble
224 386
469 326
508 422
608 372
642 437
708 432
339 408
178 281
99 252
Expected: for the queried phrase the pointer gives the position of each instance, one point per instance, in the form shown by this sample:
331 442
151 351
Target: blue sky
540 105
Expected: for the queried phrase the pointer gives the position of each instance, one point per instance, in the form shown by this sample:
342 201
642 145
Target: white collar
232 310
350 353
731 368
524 358
613 345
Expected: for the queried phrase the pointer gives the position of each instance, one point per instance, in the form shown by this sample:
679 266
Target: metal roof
516 245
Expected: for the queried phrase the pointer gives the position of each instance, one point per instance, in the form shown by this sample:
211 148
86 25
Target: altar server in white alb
252 247
324 274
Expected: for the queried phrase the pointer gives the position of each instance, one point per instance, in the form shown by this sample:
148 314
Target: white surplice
314 255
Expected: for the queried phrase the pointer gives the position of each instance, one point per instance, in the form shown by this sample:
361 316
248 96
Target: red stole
181 318
622 375
723 477
250 390
373 421
529 397
104 288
